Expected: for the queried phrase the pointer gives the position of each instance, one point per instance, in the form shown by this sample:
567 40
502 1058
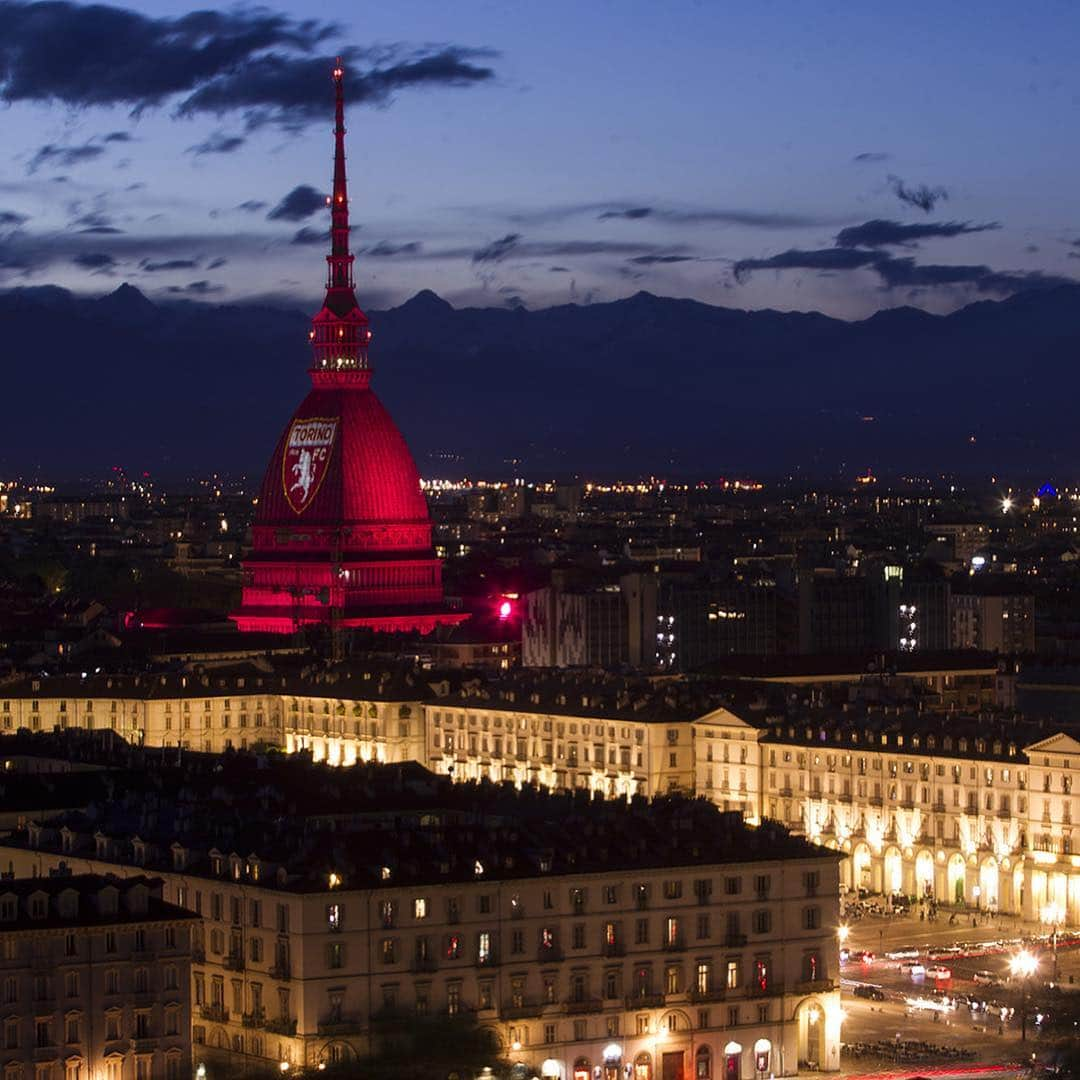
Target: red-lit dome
341 534
369 479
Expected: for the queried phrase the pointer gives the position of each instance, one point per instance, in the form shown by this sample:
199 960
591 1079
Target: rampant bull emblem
308 447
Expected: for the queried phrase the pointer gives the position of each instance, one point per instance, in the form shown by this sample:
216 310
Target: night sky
835 156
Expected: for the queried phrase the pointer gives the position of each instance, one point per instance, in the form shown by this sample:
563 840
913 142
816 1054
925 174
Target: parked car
914 968
939 972
985 978
869 991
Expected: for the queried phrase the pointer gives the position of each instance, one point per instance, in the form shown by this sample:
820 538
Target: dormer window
39 906
216 864
179 857
9 908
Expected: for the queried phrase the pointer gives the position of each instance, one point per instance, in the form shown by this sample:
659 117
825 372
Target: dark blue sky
746 153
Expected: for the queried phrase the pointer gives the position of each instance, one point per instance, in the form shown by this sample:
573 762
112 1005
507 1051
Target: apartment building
947 803
579 932
965 810
95 976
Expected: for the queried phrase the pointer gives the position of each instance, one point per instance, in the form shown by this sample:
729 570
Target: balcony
675 945
281 1027
424 965
351 1025
233 962
772 989
49 1052
814 986
254 1019
644 1001
875 800
198 954
614 948
218 1013
527 1010
281 971
701 997
550 955
735 941
586 1005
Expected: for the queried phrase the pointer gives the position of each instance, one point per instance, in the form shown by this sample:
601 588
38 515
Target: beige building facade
727 971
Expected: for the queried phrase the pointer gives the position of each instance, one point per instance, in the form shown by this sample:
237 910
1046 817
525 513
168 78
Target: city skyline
844 163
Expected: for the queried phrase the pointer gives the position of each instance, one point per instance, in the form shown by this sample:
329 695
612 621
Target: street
917 1009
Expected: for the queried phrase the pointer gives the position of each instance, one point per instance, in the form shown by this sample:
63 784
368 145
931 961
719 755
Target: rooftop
289 824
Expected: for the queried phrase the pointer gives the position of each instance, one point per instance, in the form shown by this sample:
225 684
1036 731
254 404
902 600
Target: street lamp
843 933
1023 965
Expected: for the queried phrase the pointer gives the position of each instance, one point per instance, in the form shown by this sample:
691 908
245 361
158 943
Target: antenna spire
340 333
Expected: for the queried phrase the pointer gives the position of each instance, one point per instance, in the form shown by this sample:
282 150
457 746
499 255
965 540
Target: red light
506 609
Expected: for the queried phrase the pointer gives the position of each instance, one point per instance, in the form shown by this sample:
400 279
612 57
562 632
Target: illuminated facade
959 814
96 978
724 965
949 806
342 535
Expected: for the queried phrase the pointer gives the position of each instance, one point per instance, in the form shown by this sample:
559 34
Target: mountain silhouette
647 384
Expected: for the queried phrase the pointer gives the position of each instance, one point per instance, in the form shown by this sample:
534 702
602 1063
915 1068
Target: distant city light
1006 504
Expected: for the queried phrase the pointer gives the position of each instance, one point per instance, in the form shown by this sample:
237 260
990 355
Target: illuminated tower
342 534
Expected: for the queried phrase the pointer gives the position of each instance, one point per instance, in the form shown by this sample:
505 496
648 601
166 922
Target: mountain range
644 385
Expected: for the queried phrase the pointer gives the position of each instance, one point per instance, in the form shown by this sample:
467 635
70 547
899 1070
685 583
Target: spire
339 260
340 333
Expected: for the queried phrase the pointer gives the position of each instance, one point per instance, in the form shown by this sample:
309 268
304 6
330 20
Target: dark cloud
871 157
622 211
300 203
195 288
656 260
515 302
903 272
291 91
168 264
252 206
558 269
384 248
98 261
1032 249
881 233
497 250
308 235
94 222
118 137
635 213
9 219
217 143
61 157
923 196
216 264
250 59
512 244
823 259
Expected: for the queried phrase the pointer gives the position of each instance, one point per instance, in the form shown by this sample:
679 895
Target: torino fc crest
308 447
